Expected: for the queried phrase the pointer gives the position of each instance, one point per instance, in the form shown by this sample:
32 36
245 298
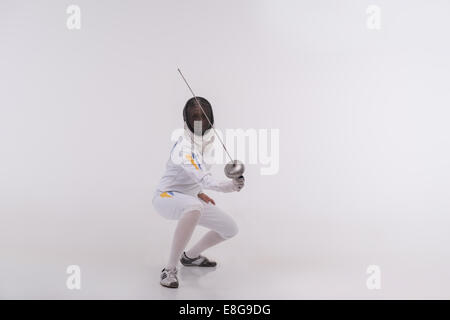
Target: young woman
180 195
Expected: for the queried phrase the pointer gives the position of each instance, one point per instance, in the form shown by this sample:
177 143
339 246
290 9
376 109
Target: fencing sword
235 168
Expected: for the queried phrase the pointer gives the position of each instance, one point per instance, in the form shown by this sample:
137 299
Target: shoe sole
171 286
197 265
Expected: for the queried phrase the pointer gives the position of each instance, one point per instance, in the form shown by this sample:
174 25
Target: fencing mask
195 118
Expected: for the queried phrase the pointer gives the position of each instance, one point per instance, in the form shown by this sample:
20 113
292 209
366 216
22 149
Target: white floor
317 266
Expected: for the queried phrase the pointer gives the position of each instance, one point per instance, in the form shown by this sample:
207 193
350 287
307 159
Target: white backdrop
85 123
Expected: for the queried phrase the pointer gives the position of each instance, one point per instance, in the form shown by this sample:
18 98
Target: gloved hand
239 183
230 185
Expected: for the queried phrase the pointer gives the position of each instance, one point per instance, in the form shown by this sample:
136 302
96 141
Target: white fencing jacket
186 172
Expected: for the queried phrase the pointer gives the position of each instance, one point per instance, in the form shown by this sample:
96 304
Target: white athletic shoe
169 278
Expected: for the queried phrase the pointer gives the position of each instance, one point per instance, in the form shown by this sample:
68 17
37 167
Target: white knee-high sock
211 238
183 234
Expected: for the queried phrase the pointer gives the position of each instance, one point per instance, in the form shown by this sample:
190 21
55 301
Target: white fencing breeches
172 205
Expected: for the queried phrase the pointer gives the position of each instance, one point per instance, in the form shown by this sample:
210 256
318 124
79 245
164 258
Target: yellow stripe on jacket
189 157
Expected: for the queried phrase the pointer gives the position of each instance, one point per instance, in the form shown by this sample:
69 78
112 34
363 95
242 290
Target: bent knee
231 231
